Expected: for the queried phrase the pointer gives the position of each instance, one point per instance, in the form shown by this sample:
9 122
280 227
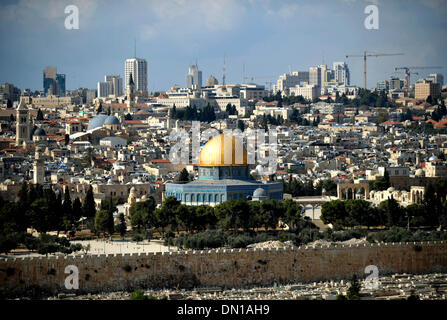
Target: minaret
22 124
130 91
38 168
169 120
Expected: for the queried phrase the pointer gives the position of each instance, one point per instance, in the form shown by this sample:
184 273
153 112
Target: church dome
39 132
222 151
111 120
97 121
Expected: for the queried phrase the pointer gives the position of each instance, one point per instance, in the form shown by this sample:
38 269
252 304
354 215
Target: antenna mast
223 72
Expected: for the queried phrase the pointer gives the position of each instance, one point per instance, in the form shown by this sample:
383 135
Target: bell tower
22 124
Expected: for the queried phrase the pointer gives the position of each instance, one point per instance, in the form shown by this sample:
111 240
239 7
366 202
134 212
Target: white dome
433 158
390 189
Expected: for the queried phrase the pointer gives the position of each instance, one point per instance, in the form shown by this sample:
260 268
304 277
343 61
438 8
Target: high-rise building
138 68
103 89
115 85
315 76
427 88
194 77
53 83
9 92
436 78
341 73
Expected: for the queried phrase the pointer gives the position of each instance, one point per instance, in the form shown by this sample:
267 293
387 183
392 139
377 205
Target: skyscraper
138 68
60 81
315 76
436 78
103 89
194 77
53 83
115 85
341 73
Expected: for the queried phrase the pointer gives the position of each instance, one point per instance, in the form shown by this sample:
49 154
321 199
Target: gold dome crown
223 150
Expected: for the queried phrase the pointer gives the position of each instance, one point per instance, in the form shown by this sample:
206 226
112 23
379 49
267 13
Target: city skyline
246 33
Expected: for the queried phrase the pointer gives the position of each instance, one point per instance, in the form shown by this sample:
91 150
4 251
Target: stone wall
221 267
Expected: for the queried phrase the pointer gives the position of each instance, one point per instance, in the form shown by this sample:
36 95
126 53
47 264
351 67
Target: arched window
221 198
209 198
193 197
199 197
187 197
216 198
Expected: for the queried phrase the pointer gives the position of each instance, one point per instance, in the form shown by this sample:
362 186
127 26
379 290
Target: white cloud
183 17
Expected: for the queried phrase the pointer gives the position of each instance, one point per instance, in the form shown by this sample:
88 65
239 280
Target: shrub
240 241
137 238
138 295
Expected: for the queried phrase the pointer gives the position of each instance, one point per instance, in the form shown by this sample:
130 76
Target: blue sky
267 36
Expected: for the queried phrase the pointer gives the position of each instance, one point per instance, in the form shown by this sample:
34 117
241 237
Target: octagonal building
223 175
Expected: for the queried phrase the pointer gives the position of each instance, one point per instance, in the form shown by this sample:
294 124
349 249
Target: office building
427 88
194 77
341 73
103 89
287 81
315 76
53 83
436 78
307 91
138 68
115 85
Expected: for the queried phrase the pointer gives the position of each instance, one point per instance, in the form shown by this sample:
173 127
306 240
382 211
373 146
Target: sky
269 37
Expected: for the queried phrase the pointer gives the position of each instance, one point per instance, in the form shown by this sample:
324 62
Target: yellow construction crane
370 54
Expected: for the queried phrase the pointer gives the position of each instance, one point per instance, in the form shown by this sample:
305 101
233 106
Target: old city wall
221 267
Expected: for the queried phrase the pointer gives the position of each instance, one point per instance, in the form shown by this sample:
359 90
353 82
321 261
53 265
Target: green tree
142 215
68 217
183 176
122 228
240 125
334 212
393 213
233 214
354 289
293 214
102 221
89 206
359 213
166 214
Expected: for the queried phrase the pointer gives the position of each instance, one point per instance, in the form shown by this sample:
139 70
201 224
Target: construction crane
407 75
370 54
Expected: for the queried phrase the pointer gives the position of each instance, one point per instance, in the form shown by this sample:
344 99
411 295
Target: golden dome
222 151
